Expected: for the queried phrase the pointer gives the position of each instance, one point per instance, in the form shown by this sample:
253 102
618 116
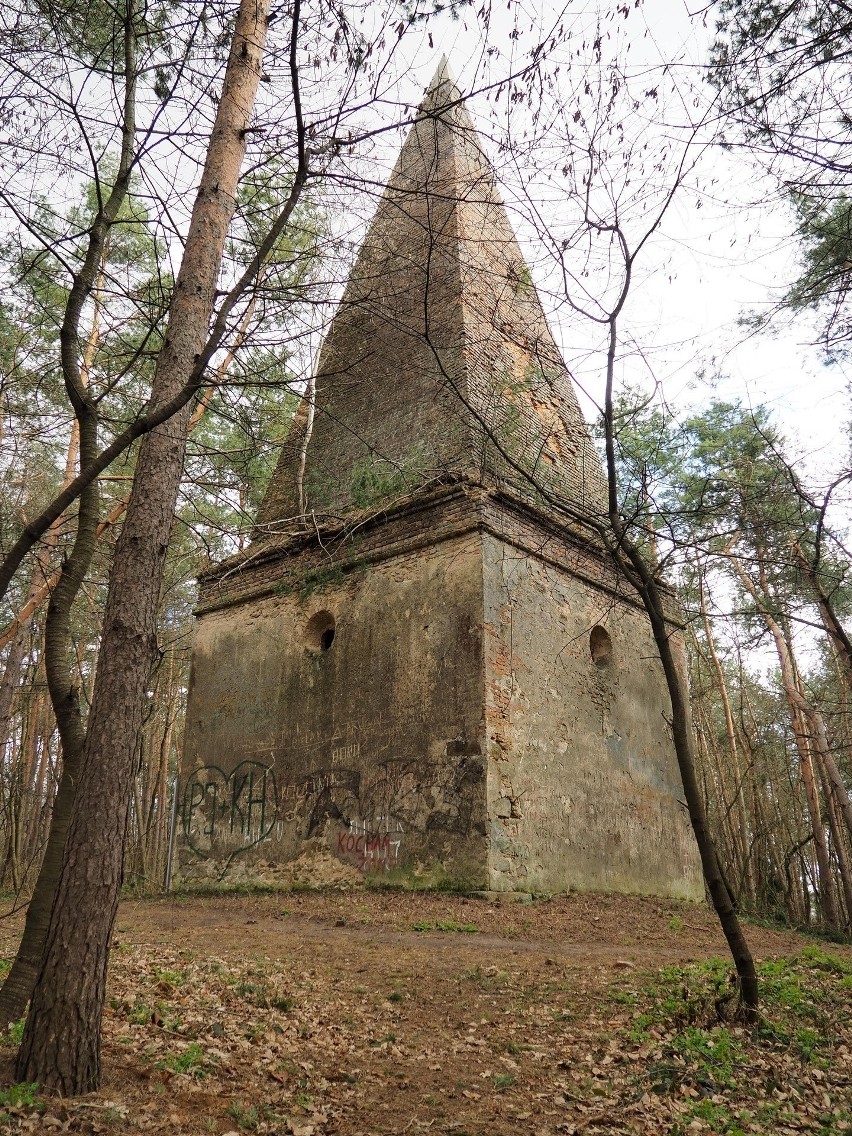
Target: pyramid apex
442 74
439 346
443 89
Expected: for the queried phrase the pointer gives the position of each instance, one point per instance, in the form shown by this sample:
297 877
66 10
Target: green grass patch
696 1043
718 1118
247 1116
192 1061
503 1081
11 1038
21 1095
169 978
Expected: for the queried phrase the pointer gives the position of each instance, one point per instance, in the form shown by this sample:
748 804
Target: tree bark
825 887
161 410
801 721
830 619
838 840
67 581
39 592
738 801
720 896
61 1043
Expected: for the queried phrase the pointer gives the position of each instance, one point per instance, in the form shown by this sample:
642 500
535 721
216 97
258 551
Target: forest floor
313 1013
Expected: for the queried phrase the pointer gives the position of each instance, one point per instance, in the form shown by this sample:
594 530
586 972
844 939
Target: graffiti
323 795
362 814
345 795
345 753
370 845
375 813
226 814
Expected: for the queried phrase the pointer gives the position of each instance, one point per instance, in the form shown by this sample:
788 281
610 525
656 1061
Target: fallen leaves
327 1030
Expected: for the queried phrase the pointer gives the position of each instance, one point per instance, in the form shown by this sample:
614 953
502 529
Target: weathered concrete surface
367 754
457 727
583 785
439 358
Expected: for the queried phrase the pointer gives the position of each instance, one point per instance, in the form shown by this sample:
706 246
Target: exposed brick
439 356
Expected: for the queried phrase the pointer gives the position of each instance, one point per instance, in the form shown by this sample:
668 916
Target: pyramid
425 666
439 359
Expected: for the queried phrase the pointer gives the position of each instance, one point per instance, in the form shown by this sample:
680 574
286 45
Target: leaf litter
323 1013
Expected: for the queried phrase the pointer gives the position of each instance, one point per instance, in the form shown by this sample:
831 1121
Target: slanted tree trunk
39 592
830 619
738 802
654 602
732 827
65 699
825 888
61 1043
68 580
838 839
716 789
10 683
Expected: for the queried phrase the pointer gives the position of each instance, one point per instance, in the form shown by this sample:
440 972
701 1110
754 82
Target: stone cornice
450 510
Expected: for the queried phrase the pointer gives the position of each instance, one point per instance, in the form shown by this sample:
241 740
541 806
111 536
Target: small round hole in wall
319 631
600 647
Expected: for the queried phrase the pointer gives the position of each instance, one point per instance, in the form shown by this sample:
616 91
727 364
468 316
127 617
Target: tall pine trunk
801 721
61 1043
740 829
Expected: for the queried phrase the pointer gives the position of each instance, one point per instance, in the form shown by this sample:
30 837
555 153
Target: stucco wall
457 727
583 785
363 756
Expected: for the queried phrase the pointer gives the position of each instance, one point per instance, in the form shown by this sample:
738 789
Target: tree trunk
61 1043
639 572
67 581
838 839
682 735
39 593
825 888
806 733
18 987
64 697
727 835
738 802
830 620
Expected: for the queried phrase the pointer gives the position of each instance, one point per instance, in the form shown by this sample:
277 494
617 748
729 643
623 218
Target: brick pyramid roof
439 359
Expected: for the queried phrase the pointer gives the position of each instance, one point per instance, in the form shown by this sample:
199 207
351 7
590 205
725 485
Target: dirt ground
364 1012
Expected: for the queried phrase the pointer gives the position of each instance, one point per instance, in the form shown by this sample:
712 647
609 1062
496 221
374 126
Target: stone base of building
458 691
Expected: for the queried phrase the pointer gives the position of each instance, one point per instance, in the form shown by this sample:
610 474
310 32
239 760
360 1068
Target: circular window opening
319 631
600 646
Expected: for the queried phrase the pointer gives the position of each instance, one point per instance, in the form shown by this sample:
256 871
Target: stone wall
583 788
325 757
460 689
